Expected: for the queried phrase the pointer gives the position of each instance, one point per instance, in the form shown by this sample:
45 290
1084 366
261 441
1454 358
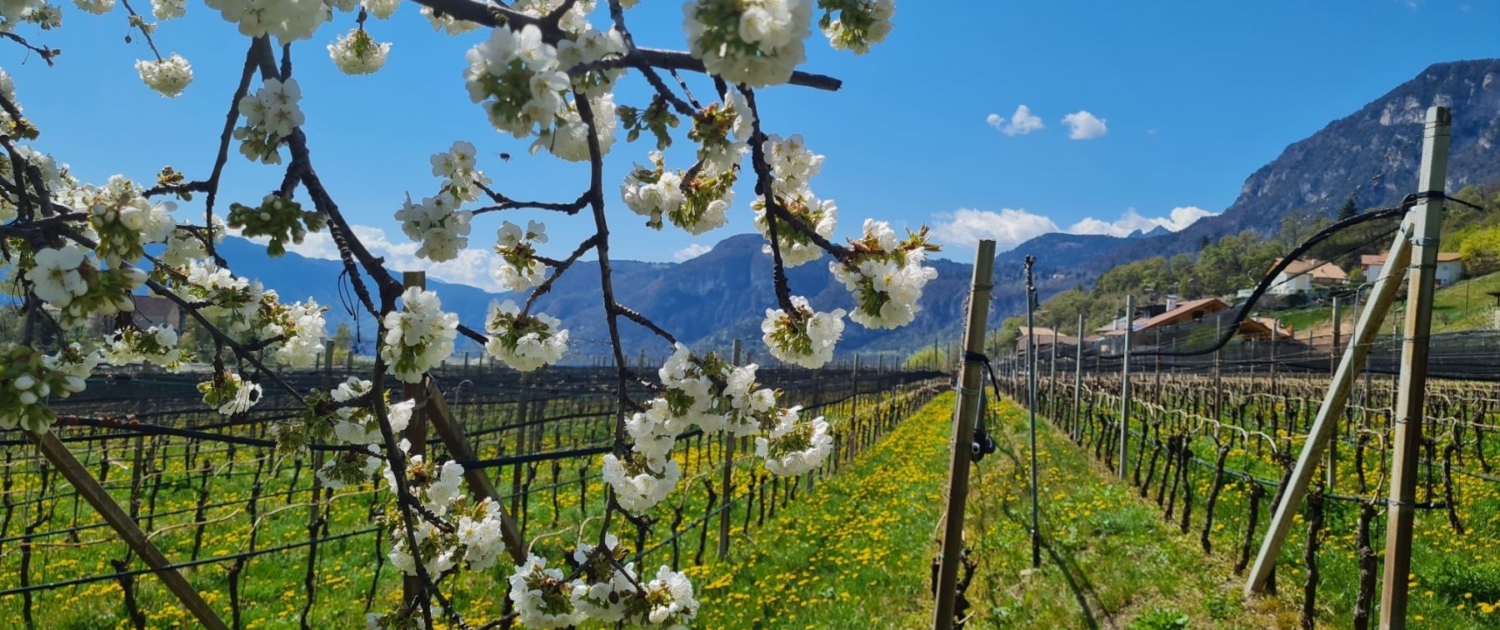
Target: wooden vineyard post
970 379
1330 467
1031 359
72 470
1339 389
1052 375
1078 379
1125 380
1435 151
480 485
1219 371
1411 395
728 488
415 433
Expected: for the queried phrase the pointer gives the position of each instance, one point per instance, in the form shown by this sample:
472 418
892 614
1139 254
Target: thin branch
638 318
560 268
46 53
764 179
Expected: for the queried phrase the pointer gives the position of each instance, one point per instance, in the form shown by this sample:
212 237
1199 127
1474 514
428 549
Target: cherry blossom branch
763 185
606 281
397 464
139 23
47 54
506 203
222 157
638 318
559 268
496 16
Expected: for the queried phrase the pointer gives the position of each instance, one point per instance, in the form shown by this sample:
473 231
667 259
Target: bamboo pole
970 379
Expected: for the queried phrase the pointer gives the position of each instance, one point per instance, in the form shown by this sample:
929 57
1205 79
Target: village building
1307 274
1450 267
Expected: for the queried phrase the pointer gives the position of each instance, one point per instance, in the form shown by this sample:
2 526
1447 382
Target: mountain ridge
722 295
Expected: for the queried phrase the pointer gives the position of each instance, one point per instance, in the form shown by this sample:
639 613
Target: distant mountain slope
723 295
706 302
1375 150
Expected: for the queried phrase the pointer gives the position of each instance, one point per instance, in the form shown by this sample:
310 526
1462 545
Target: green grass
1304 318
272 591
1466 305
857 554
1108 558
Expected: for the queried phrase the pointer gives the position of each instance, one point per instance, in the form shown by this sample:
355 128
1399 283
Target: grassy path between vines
856 552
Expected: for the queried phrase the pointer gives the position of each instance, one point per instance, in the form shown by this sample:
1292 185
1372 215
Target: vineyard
266 542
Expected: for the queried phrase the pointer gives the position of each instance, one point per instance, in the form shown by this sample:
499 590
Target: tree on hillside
1349 209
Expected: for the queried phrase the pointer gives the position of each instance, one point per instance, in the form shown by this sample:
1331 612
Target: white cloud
1008 227
472 267
1021 123
1132 221
1084 126
690 252
1011 227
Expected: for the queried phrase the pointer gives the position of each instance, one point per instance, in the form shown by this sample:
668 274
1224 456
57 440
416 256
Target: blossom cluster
353 422
697 200
168 76
438 223
469 533
357 53
67 279
705 392
569 138
168 9
795 446
271 113
156 345
124 220
522 341
28 377
278 218
231 300
802 337
292 331
754 42
860 24
885 275
230 393
604 590
419 337
518 269
792 166
516 77
286 20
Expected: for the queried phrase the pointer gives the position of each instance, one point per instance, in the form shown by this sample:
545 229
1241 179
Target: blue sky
1193 96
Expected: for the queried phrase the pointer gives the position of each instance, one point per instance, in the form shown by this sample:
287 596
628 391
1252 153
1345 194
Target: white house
1450 267
1306 275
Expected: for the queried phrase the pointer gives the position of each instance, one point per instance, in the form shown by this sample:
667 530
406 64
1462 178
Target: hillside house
1181 322
1450 267
1308 274
1045 337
